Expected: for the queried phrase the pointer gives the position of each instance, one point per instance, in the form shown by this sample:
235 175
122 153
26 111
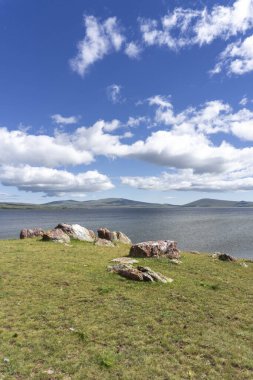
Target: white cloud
237 58
186 26
53 182
20 147
244 101
187 180
114 93
181 141
59 119
133 50
101 38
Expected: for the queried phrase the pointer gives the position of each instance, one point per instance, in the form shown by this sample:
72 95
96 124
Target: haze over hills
123 203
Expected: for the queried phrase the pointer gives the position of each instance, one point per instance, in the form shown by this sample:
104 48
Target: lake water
201 229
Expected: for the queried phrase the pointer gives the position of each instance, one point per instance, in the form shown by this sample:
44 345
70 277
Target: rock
117 236
125 260
195 252
243 264
26 233
160 248
104 243
223 256
175 261
139 273
129 272
156 276
56 235
92 234
75 231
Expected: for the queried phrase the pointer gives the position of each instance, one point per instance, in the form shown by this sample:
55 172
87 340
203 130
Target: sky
150 100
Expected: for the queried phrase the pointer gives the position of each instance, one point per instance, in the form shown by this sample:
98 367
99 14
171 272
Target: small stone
6 360
244 265
175 261
195 252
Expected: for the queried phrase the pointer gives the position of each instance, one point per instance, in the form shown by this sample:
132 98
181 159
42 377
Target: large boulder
160 248
114 236
75 231
26 233
56 235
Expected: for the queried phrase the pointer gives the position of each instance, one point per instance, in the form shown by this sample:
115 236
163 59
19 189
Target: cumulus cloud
133 50
186 26
237 58
183 141
42 150
59 119
101 38
53 182
114 93
187 180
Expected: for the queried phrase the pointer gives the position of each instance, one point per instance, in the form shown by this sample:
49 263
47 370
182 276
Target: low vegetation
64 316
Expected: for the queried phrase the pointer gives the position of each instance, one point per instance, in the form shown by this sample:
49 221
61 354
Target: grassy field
63 316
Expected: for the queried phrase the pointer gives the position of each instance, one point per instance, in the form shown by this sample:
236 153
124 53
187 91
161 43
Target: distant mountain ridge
123 203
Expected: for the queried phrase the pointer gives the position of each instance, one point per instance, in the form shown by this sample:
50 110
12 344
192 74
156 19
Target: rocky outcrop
75 231
104 243
160 248
139 274
114 236
26 233
57 235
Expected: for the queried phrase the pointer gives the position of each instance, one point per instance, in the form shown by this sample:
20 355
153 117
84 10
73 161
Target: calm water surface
206 230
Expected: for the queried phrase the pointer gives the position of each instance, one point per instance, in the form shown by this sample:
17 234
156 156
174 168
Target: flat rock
138 274
77 232
104 243
160 248
56 235
26 233
125 260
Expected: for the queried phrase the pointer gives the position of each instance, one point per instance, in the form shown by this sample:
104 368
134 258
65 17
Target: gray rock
104 243
75 231
139 273
114 236
56 235
26 233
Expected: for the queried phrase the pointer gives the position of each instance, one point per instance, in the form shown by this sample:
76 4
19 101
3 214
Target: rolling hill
124 203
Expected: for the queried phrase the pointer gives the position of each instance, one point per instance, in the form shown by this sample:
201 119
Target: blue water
205 230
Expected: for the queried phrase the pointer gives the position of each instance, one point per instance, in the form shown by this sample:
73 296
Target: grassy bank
63 316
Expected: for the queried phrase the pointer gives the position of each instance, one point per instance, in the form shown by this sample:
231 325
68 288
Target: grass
63 316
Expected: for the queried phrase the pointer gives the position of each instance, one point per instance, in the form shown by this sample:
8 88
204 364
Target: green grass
63 316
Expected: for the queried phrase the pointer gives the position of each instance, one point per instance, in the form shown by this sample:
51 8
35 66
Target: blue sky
148 100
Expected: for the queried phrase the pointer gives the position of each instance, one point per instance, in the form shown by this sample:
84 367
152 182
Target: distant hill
104 203
99 203
122 203
207 202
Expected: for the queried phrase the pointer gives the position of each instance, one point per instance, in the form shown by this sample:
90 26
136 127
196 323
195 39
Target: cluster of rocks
138 274
63 233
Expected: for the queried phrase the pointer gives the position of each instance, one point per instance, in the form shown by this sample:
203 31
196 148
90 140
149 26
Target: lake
201 229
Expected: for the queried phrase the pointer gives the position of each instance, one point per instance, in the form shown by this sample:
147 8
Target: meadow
64 316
